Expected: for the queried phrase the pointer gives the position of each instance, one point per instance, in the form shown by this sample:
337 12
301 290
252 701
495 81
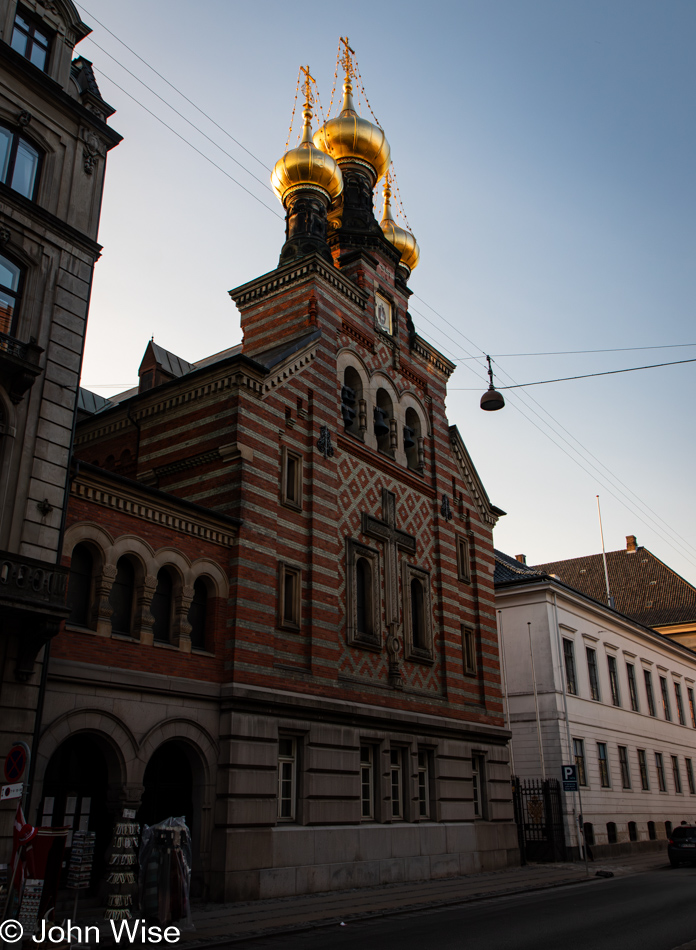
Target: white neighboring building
629 696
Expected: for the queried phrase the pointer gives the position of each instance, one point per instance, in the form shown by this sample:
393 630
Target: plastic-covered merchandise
165 872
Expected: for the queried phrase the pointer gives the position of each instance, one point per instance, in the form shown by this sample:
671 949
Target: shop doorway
76 795
174 785
168 785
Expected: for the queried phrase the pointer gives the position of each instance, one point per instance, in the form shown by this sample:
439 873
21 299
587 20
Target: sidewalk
227 923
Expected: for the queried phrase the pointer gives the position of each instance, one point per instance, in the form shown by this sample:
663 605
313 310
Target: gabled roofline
488 512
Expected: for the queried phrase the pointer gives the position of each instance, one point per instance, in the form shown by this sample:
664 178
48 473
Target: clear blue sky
545 153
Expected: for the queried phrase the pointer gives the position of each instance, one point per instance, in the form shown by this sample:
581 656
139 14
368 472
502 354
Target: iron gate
539 817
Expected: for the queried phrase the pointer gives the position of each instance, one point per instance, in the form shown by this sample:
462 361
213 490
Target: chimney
631 543
522 558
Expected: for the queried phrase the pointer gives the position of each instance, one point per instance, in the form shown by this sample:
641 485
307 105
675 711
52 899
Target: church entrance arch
80 791
173 785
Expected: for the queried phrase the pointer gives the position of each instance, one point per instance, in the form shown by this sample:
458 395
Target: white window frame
424 783
367 781
287 773
396 783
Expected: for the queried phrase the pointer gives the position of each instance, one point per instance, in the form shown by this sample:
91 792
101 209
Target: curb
392 912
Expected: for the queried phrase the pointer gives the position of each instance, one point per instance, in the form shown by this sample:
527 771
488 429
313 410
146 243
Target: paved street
650 911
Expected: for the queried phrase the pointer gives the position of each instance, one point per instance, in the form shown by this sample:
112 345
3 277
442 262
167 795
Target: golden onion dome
402 240
349 136
306 166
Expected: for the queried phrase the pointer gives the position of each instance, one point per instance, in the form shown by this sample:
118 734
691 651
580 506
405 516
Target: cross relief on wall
393 540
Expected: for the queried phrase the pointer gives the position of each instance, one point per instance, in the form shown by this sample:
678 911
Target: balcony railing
27 583
19 365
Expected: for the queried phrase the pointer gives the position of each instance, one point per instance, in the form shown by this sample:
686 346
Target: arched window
652 833
418 631
161 606
80 585
588 828
412 433
351 394
611 832
10 287
632 831
668 828
384 414
121 597
198 614
363 597
19 162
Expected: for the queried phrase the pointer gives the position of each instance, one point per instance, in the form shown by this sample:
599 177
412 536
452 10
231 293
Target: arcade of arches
85 788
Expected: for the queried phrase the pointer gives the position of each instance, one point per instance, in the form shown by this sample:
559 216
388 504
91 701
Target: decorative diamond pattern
362 491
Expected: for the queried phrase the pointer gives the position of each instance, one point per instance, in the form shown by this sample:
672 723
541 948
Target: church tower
290 538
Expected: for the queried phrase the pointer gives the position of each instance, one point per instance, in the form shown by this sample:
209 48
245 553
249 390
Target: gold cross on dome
346 61
308 79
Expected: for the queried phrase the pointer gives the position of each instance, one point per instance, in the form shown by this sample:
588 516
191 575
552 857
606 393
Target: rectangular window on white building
690 776
603 764
690 694
593 672
660 768
614 681
643 766
676 774
569 657
632 687
680 703
579 755
649 692
625 768
665 699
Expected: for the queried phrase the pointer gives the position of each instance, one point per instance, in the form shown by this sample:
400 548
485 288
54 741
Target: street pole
505 686
582 844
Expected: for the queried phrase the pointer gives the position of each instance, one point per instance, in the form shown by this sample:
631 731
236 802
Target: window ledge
78 628
126 637
201 652
166 646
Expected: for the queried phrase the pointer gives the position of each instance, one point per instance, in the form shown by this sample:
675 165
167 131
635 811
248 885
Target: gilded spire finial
386 214
347 63
307 112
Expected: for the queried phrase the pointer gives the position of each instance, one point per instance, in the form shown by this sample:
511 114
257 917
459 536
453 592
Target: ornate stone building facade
54 139
282 578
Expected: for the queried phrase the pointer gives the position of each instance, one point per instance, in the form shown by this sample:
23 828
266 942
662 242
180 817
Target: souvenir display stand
122 863
81 863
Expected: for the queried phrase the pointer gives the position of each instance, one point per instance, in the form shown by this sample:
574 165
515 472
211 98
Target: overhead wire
172 86
190 144
607 372
615 349
628 503
656 523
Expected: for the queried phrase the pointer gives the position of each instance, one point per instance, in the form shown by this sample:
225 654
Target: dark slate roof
90 402
643 588
510 569
170 362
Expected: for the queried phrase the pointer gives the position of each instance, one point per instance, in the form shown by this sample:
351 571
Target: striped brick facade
197 472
